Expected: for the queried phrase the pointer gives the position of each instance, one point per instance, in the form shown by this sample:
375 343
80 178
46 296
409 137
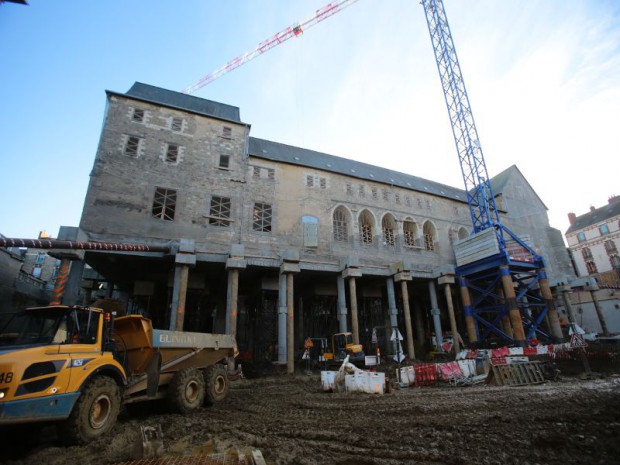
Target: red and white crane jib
292 31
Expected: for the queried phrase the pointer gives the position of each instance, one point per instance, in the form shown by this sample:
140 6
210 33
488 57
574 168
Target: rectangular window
224 161
256 171
271 174
226 132
164 203
386 195
219 213
176 124
349 189
604 229
132 146
172 153
581 237
309 180
374 192
40 258
361 192
138 116
261 217
397 198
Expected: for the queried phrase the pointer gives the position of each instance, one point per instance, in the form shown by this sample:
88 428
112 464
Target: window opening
410 233
341 225
387 225
227 132
164 203
176 124
224 161
219 213
132 146
366 228
172 153
138 115
262 217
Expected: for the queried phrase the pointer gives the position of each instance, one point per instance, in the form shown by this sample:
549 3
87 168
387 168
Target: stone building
262 232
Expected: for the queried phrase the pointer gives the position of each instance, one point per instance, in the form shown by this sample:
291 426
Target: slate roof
181 101
597 216
283 153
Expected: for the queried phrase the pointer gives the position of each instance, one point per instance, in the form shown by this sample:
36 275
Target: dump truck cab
46 356
79 365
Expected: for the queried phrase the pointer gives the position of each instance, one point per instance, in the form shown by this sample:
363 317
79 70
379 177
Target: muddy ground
292 421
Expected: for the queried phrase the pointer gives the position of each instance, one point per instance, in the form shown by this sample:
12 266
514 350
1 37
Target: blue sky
543 79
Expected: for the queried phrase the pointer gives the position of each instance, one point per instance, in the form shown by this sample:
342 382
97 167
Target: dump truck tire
186 391
216 380
94 413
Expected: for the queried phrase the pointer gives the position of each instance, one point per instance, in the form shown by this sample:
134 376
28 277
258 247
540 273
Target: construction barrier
425 374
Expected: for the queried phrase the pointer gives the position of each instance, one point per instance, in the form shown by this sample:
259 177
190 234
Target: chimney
592 208
572 218
614 199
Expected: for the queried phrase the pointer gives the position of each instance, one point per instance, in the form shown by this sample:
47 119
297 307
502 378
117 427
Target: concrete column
392 310
403 278
446 281
72 291
355 329
232 302
290 327
511 303
179 293
282 312
342 305
61 282
545 291
470 321
435 312
599 312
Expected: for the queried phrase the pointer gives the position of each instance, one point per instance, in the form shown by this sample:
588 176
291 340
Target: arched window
430 236
410 233
388 225
463 234
341 225
366 225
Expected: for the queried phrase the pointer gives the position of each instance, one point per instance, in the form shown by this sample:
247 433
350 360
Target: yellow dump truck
78 365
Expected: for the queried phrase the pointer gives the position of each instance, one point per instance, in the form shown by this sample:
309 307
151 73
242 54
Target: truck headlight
3 392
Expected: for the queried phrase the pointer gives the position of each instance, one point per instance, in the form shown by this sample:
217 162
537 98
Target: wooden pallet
516 374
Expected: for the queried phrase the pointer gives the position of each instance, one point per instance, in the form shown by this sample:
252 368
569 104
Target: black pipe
76 245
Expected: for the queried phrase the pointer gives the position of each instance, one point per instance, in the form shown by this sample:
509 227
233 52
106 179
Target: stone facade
171 167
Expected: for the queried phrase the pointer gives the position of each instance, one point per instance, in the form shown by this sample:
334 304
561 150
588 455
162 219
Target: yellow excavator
342 345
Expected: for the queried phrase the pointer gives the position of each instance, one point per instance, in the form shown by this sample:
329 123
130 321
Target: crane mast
480 196
505 295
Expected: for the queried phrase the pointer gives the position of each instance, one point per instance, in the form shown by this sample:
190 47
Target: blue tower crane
504 287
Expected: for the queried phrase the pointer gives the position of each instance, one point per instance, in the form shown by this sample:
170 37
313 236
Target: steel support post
179 293
511 303
599 313
233 297
393 311
470 322
554 320
282 310
506 325
342 304
568 305
453 328
354 323
407 313
435 312
61 282
290 347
